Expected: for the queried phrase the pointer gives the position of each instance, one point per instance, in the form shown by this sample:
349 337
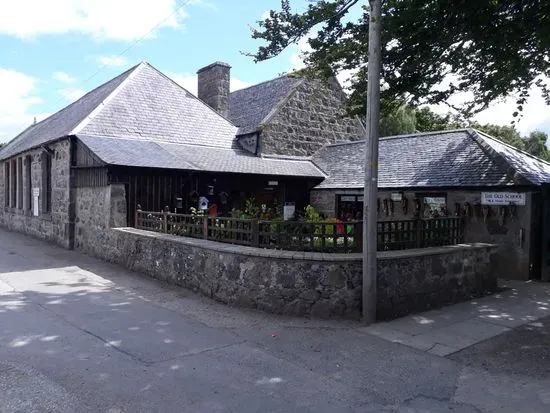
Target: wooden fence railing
304 236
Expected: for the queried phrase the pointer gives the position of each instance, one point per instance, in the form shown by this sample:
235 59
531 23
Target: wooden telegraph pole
370 217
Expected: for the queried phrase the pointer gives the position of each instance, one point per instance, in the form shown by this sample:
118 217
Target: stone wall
311 117
54 225
513 235
97 210
286 282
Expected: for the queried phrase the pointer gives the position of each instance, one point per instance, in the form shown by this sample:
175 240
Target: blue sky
51 52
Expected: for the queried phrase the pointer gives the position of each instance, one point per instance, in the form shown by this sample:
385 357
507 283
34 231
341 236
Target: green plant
311 215
251 209
196 212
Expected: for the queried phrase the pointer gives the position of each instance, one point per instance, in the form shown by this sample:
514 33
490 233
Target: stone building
141 139
449 173
291 116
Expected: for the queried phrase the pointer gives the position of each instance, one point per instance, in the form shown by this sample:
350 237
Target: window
434 205
46 182
13 184
20 183
7 183
28 182
349 207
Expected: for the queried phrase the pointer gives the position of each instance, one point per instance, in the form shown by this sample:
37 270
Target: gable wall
310 118
52 225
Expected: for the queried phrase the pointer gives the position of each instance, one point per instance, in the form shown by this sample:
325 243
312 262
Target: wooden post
419 233
205 227
357 235
165 219
136 215
256 233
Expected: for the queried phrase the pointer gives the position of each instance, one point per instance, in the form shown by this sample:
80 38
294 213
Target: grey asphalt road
81 335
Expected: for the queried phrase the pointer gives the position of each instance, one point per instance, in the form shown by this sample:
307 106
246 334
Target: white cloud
63 77
112 61
297 58
189 82
536 113
16 101
72 94
102 19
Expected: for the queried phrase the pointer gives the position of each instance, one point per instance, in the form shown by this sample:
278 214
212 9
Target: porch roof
157 154
456 158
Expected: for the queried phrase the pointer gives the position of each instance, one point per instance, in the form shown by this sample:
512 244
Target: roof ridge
496 156
195 97
35 125
84 122
402 136
480 132
264 81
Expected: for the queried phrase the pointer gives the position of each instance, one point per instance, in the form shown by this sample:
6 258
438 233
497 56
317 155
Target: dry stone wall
311 284
97 210
311 117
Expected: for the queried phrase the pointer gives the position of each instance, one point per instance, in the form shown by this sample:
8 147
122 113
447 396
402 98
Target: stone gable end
313 115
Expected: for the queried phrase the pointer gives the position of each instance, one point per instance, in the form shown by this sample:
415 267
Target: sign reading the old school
502 198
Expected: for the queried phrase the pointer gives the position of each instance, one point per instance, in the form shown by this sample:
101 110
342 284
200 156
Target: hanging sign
396 196
502 198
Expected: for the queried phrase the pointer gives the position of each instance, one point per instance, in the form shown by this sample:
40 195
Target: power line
134 43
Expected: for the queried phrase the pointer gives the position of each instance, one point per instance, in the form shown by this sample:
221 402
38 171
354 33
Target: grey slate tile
437 159
143 153
248 107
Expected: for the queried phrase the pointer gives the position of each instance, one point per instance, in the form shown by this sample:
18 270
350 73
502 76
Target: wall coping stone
302 255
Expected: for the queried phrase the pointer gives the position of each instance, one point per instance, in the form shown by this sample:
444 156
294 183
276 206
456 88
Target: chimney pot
213 86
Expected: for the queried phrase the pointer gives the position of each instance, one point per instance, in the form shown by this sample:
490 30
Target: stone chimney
214 86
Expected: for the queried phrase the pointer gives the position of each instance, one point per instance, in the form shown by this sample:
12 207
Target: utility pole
370 213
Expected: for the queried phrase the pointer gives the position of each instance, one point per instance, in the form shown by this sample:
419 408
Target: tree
507 134
400 121
535 144
429 121
431 48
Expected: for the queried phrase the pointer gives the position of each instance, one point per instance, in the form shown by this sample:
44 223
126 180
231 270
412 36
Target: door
544 234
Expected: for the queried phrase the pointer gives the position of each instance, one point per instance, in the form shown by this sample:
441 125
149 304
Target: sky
54 51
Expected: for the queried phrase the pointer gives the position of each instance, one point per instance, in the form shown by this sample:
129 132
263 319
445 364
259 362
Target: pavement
445 331
81 335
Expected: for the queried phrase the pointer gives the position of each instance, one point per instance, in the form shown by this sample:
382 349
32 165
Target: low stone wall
298 283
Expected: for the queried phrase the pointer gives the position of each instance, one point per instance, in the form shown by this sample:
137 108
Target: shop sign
502 198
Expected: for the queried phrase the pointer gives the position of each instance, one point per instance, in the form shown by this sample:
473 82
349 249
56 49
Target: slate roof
466 158
249 108
141 103
129 152
61 123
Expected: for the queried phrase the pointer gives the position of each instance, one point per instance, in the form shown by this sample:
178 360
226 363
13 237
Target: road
81 335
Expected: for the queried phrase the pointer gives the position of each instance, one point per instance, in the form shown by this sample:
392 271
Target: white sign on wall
288 210
35 196
502 198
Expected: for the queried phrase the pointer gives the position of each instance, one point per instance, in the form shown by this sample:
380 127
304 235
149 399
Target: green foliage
197 212
398 122
311 215
535 144
429 121
507 134
493 48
